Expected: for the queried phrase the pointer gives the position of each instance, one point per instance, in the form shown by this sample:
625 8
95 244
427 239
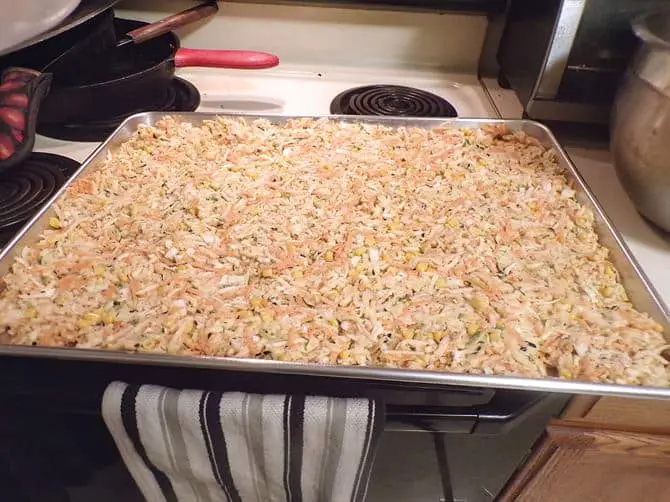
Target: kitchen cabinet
620 412
577 462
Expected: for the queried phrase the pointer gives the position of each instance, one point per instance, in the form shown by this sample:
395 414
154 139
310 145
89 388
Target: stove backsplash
325 35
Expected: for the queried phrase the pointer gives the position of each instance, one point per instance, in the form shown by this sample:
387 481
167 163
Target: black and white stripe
207 447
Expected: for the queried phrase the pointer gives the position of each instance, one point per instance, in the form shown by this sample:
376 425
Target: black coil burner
391 100
26 187
180 96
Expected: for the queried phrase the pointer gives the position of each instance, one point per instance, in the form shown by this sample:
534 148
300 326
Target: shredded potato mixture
447 249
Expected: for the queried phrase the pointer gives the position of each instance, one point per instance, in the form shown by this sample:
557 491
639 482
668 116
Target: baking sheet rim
548 384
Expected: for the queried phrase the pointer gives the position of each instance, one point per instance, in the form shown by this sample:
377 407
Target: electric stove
385 62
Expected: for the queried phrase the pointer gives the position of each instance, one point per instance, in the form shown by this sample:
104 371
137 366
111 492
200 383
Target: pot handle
21 92
241 60
173 22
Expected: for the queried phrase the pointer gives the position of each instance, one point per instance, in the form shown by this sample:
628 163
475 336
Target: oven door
56 446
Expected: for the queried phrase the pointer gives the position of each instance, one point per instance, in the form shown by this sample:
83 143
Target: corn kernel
408 334
477 282
479 302
244 314
333 322
256 303
88 320
421 267
84 323
188 327
267 272
359 251
440 283
194 210
31 312
99 270
410 256
472 328
108 317
93 315
564 373
55 223
610 271
438 336
329 256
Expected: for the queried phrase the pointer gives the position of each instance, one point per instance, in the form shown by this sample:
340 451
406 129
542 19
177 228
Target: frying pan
84 69
22 89
143 71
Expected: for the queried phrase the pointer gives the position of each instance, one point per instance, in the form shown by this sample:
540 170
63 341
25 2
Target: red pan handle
241 60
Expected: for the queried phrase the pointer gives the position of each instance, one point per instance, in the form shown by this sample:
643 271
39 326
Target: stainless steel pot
640 128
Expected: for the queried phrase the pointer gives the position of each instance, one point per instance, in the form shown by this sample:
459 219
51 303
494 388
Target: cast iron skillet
136 74
142 70
57 63
22 89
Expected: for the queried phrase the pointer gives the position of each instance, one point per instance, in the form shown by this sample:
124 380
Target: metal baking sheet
640 290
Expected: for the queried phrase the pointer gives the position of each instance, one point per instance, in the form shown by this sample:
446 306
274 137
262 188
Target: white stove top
307 91
297 90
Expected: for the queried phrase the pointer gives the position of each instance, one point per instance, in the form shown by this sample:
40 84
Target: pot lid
63 19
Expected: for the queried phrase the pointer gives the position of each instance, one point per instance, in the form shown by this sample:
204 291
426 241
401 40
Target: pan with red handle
66 59
137 72
136 75
23 88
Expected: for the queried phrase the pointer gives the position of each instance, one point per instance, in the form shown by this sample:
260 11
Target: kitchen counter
650 247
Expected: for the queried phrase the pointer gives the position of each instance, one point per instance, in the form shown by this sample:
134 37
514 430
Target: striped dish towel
196 446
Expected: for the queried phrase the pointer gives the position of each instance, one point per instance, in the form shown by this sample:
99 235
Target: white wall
329 35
